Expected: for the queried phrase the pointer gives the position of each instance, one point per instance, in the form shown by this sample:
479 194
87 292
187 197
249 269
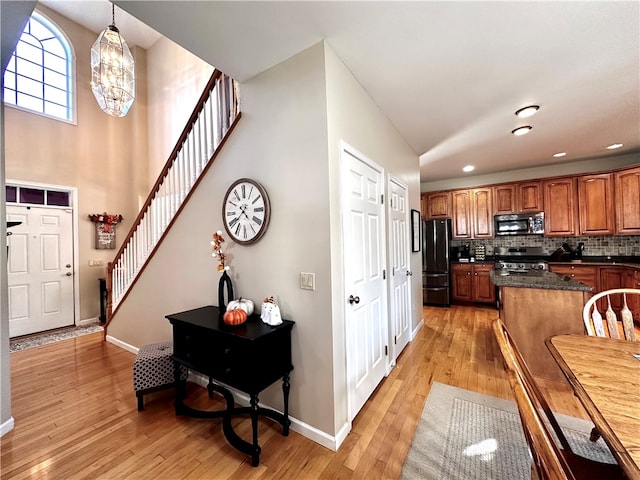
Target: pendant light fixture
112 71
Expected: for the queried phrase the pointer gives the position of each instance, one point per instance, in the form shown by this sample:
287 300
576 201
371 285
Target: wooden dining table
605 376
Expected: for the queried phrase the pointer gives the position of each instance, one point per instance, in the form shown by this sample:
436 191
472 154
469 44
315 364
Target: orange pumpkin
236 316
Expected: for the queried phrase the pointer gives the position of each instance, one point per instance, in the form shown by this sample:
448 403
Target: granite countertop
633 261
543 280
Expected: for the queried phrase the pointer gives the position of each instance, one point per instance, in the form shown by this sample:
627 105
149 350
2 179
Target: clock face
246 211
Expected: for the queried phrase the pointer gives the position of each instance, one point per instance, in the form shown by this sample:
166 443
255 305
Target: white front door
365 284
400 297
40 269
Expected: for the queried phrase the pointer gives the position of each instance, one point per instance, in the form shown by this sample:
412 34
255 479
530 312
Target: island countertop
543 280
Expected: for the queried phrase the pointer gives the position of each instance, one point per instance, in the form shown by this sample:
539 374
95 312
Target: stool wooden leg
139 395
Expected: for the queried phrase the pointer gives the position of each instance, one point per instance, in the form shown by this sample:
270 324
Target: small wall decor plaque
105 229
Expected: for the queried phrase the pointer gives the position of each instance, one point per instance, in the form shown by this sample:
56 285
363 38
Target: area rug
470 436
22 343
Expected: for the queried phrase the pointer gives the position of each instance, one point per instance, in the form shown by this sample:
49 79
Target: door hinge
395 340
382 198
386 351
384 274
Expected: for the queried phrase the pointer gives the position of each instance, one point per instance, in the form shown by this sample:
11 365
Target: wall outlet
96 263
307 281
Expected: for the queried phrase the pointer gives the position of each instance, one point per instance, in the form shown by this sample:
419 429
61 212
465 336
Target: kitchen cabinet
530 197
596 204
461 214
560 199
472 213
518 197
504 199
587 274
483 289
612 277
471 282
632 280
627 201
482 212
461 282
437 205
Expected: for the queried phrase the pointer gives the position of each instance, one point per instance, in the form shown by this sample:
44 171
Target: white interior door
400 280
365 284
40 269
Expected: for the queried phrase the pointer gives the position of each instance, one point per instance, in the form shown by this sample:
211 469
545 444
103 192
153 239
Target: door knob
68 274
409 273
353 299
68 265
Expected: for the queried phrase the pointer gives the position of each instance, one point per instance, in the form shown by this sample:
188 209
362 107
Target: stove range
520 260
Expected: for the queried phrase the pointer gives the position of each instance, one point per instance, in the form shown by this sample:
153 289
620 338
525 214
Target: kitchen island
536 307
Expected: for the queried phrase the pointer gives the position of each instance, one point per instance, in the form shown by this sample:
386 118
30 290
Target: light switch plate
307 281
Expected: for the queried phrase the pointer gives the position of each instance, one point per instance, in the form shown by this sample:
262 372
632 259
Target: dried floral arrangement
105 218
216 247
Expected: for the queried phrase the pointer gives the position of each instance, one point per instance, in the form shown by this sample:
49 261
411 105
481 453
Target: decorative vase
225 280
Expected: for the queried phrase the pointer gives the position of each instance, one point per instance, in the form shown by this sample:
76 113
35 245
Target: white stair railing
211 122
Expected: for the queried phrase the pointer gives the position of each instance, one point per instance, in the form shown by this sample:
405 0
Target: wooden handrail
162 177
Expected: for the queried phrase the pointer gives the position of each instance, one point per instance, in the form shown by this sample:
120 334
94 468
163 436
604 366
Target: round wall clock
246 211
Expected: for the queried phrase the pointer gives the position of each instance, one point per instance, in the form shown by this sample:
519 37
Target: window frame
71 80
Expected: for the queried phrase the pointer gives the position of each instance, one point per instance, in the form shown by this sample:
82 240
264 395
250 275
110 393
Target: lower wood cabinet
471 282
587 274
606 278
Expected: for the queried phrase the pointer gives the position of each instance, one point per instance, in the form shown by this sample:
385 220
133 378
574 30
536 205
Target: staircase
211 123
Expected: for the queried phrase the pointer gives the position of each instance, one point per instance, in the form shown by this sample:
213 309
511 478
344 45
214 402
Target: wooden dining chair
551 459
608 327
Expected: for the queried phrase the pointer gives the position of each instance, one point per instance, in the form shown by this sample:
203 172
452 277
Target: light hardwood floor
75 413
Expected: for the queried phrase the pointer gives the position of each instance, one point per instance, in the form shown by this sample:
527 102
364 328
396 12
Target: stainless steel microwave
519 224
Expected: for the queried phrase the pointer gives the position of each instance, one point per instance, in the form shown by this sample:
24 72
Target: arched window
39 76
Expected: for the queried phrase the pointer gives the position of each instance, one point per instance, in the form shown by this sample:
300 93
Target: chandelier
112 71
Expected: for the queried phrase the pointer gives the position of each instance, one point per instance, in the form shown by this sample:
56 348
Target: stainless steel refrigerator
436 278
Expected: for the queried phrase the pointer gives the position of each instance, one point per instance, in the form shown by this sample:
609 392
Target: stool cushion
154 367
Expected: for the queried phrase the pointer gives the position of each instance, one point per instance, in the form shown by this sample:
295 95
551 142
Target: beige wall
176 80
103 156
356 119
280 142
293 118
569 168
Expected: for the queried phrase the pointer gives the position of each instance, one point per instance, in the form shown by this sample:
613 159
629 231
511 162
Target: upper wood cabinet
482 212
530 196
504 199
627 201
518 197
596 204
461 214
438 205
560 198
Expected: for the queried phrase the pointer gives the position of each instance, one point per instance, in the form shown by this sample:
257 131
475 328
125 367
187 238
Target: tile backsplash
623 245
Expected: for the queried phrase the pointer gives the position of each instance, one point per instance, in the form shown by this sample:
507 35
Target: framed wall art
415 230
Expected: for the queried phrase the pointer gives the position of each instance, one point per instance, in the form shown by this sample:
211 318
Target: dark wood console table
249 357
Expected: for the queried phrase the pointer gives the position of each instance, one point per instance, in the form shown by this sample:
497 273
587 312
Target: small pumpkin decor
235 316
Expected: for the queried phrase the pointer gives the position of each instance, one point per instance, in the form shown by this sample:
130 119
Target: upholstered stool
154 370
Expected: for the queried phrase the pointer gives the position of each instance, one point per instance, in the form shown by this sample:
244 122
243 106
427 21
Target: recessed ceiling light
559 154
527 111
614 146
521 130
468 168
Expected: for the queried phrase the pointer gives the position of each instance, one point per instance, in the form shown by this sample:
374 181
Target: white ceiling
448 75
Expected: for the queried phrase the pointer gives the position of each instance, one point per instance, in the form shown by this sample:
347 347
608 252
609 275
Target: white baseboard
312 433
87 321
415 331
7 426
121 344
